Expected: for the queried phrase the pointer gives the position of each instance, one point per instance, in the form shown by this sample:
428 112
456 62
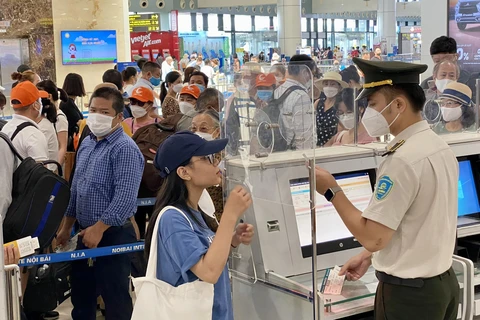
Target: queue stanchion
10 287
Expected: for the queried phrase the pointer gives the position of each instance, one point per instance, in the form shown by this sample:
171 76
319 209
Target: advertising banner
151 43
464 27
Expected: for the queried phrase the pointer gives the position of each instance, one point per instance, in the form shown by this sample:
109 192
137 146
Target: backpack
39 198
148 139
273 112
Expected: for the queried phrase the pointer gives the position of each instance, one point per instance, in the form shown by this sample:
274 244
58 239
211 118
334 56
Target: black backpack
273 112
39 199
148 139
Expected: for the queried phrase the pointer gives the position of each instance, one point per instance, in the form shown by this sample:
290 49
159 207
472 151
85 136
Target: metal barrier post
477 105
313 213
3 276
10 286
13 287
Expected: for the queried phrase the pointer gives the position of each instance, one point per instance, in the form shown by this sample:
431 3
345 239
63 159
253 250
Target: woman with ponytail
168 96
60 121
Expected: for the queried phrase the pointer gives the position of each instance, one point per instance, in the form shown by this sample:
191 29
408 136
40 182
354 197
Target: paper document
332 282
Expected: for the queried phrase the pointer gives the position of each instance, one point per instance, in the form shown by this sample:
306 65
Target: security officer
408 229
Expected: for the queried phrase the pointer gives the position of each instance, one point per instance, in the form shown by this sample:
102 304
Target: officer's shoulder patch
384 186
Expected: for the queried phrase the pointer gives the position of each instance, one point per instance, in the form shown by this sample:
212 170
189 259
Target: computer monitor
468 202
332 234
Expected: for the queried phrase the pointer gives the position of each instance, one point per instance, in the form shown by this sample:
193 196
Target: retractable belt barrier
80 254
144 202
88 253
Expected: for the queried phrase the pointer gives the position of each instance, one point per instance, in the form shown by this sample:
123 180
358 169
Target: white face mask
206 136
442 84
41 108
279 79
330 92
138 112
451 114
347 120
99 124
376 124
185 107
178 87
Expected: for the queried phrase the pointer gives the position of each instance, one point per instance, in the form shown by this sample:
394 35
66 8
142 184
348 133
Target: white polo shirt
30 142
416 195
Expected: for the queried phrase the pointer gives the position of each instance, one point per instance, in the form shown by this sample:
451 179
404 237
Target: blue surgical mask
201 87
155 81
265 95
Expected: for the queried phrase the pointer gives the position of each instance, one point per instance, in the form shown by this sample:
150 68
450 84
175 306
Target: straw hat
458 92
332 76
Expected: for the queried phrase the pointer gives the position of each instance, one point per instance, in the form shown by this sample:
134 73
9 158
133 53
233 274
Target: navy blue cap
181 147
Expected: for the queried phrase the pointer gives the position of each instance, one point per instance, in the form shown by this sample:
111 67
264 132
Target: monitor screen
467 190
89 47
332 234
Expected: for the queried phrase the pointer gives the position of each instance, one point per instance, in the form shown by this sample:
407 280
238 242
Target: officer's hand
356 267
91 236
325 180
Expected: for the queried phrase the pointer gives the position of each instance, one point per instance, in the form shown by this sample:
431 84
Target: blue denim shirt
180 248
106 180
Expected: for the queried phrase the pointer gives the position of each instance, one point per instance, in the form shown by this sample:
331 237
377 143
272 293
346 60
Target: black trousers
108 277
141 218
437 300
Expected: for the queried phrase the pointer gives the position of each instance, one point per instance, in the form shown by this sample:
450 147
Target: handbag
157 299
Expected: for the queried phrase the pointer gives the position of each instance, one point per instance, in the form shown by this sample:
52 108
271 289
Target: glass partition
270 124
446 115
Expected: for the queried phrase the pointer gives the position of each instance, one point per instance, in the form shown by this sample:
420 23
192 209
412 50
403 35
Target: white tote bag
158 300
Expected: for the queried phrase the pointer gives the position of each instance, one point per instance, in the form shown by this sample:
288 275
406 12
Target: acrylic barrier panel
339 118
265 114
267 123
448 115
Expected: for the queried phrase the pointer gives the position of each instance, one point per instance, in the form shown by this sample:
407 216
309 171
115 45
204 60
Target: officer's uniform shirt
416 195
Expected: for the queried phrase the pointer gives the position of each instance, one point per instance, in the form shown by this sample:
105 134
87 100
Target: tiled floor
65 309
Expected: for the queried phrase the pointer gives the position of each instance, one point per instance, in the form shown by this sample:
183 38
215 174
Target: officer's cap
384 73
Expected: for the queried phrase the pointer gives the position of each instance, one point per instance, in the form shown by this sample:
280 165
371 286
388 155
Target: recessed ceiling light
85 9
63 14
114 4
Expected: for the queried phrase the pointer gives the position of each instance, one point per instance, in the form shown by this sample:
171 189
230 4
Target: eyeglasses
209 157
448 104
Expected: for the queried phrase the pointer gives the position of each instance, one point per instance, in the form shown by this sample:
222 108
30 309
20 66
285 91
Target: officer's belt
412 283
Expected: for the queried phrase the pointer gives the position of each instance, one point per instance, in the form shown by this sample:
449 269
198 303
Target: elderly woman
207 125
331 85
456 109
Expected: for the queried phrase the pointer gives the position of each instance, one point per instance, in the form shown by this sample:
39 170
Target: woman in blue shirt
187 164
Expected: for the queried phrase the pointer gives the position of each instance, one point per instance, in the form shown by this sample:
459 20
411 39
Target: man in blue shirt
103 199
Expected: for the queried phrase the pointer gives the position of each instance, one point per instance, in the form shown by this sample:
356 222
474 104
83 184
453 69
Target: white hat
2 88
332 76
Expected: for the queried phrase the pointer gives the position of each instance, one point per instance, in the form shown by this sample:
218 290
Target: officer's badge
384 186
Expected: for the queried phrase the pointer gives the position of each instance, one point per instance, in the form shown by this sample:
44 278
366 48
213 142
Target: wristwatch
331 193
